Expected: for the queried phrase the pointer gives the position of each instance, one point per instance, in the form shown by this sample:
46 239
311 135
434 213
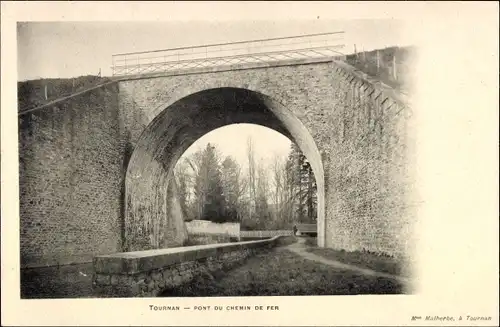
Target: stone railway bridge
96 167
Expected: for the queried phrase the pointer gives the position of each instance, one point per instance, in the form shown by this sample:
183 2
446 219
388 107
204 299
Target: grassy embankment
363 259
277 272
367 62
31 94
282 273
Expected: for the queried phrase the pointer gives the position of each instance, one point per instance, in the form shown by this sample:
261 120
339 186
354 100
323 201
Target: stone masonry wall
370 199
70 168
144 102
74 157
359 127
199 239
209 227
265 233
147 278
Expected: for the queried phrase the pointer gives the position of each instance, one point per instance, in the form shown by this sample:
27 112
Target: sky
232 141
69 49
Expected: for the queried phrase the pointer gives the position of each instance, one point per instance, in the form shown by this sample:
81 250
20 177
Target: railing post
394 69
378 61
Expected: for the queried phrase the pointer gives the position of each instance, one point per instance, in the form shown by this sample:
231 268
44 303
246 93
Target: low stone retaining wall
205 227
203 239
265 233
148 273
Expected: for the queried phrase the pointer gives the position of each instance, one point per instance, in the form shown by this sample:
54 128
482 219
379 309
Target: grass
282 241
72 281
367 62
286 240
244 239
362 259
278 272
32 93
311 241
283 273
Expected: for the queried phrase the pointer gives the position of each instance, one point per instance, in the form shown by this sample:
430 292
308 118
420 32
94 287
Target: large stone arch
182 116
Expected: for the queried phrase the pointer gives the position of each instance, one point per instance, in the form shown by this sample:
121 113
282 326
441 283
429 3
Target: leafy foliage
263 197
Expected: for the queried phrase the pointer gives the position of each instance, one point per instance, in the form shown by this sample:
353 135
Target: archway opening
244 177
153 215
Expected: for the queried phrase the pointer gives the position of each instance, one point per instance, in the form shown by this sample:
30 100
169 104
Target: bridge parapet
265 233
148 273
309 46
369 84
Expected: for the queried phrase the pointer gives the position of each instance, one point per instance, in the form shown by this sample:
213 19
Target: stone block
102 279
114 279
353 131
177 280
156 276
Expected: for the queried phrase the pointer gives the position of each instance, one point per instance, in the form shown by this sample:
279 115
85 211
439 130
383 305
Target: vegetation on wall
34 93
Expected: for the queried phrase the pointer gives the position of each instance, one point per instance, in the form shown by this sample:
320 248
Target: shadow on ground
282 272
364 259
279 272
71 281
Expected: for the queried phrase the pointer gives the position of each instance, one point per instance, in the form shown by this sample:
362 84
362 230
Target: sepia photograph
260 162
231 165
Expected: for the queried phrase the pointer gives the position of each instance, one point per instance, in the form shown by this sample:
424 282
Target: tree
303 185
276 196
213 205
262 212
181 176
310 189
198 183
233 187
283 194
257 207
251 176
208 198
295 160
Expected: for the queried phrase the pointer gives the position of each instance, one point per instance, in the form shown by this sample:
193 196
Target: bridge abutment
95 168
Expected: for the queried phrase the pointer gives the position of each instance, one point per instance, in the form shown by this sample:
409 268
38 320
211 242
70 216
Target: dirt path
300 249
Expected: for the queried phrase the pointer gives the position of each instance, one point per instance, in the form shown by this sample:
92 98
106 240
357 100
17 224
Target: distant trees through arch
275 194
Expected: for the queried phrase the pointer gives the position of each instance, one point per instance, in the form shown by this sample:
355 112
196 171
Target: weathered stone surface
95 169
103 279
156 276
351 130
71 177
114 279
166 274
157 279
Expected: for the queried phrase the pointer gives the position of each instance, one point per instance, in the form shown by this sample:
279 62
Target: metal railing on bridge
321 45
